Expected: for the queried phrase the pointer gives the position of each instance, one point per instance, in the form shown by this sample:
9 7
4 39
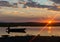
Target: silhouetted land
27 38
27 24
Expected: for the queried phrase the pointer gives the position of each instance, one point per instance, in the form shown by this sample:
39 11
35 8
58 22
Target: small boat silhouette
20 30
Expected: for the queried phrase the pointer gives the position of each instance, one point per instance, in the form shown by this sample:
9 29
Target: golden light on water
49 29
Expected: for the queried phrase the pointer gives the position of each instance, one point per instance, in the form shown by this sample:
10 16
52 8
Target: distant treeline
27 24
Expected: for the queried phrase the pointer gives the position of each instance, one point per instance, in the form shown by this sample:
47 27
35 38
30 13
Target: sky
42 2
28 15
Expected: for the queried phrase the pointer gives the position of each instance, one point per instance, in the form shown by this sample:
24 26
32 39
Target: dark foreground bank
6 38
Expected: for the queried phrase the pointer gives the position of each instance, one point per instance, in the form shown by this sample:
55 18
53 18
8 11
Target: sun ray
49 22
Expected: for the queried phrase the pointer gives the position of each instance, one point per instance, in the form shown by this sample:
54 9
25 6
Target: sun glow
49 21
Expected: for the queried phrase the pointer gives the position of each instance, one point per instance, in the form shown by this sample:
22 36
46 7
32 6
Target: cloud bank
56 1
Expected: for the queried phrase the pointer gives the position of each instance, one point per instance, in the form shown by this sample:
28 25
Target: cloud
38 15
56 1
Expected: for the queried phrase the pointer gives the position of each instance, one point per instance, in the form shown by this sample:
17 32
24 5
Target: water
33 31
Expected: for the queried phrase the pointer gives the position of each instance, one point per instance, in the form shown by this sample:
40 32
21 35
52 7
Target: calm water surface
48 31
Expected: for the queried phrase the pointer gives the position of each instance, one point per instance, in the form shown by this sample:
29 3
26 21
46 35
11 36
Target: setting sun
49 21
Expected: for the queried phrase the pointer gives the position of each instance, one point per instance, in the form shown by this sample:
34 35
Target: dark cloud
5 3
31 3
56 1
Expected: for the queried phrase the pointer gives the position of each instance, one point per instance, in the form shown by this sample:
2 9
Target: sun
49 21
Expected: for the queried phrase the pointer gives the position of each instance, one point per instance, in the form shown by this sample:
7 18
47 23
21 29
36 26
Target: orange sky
28 14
